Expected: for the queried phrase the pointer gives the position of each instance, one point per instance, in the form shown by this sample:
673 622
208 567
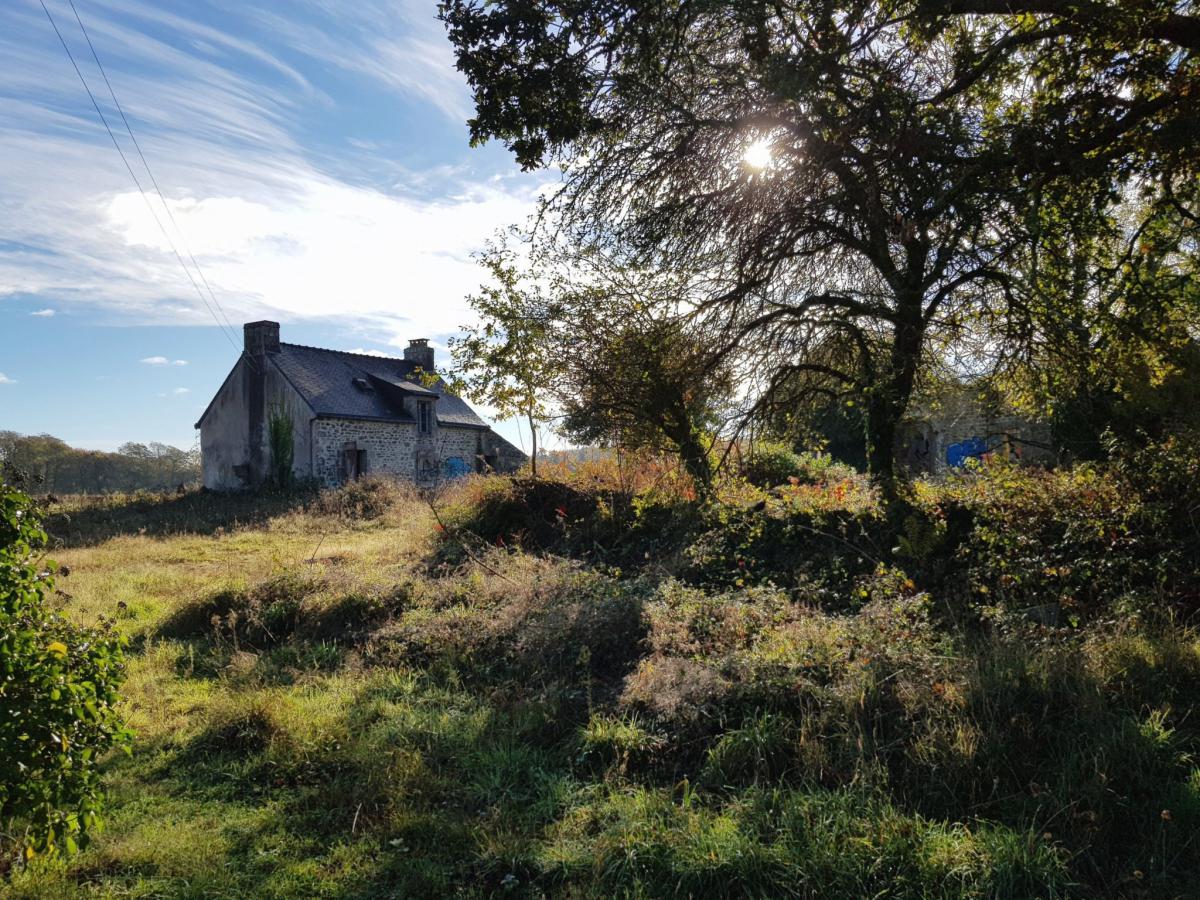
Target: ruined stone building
348 414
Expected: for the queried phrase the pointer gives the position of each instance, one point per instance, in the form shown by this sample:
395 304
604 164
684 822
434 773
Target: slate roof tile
326 380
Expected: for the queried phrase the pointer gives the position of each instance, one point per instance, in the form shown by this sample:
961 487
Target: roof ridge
343 352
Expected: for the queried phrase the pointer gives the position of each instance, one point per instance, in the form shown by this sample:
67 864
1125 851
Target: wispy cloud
4 379
367 254
44 313
180 391
163 361
399 45
222 118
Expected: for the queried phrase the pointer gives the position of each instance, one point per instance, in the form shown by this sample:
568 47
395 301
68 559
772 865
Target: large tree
635 370
1108 314
853 176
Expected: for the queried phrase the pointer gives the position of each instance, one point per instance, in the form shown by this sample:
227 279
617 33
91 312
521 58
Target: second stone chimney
418 351
261 337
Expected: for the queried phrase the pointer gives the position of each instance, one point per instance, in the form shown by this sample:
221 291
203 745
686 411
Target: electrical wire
179 231
136 180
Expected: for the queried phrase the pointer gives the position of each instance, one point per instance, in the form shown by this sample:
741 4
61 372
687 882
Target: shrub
791 546
1058 547
369 497
58 696
771 464
530 513
262 616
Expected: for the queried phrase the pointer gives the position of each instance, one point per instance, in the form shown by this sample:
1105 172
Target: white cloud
4 379
331 248
364 352
276 233
156 360
43 313
179 392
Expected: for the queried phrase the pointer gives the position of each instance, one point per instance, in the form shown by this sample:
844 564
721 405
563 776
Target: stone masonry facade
391 448
929 434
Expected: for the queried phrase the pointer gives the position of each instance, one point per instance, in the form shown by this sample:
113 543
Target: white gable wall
231 460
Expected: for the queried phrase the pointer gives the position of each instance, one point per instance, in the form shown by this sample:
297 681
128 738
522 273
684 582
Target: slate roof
326 380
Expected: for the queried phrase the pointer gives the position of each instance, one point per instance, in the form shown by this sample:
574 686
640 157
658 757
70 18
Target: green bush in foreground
772 464
58 691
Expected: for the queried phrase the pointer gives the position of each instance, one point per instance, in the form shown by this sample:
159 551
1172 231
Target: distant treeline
50 465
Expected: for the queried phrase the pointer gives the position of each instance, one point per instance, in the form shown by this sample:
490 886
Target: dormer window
424 417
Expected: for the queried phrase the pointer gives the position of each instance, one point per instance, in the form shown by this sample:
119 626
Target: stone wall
392 448
930 433
235 456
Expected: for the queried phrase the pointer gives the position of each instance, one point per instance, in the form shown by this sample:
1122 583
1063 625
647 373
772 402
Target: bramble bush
771 464
58 696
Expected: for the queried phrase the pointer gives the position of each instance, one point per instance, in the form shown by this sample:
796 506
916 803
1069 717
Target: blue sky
313 155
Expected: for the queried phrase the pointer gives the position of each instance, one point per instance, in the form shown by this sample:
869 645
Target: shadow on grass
87 521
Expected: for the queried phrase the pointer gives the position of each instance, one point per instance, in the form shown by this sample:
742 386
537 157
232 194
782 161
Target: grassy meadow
589 686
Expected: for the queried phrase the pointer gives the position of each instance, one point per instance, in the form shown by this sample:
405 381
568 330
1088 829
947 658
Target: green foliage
796 153
819 553
58 696
504 360
770 464
282 443
779 842
618 741
388 719
638 375
1062 547
1113 294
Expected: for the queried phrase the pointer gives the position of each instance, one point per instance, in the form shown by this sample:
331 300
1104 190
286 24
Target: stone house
349 414
964 424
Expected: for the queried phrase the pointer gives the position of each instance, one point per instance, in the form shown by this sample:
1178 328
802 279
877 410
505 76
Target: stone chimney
262 340
261 337
418 351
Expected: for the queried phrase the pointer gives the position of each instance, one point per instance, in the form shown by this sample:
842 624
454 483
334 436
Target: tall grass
367 694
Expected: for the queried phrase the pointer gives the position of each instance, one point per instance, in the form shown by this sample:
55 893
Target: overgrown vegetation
855 199
593 684
282 442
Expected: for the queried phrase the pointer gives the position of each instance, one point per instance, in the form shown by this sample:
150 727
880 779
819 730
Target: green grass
325 707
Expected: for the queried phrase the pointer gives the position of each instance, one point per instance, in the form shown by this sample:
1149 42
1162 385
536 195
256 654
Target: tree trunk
533 456
882 423
694 458
889 401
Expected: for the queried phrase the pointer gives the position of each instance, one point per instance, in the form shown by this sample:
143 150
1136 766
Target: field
589 686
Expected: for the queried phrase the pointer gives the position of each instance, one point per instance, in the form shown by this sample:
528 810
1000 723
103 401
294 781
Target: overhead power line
133 175
166 206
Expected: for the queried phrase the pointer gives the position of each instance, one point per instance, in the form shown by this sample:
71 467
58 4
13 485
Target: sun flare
758 154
